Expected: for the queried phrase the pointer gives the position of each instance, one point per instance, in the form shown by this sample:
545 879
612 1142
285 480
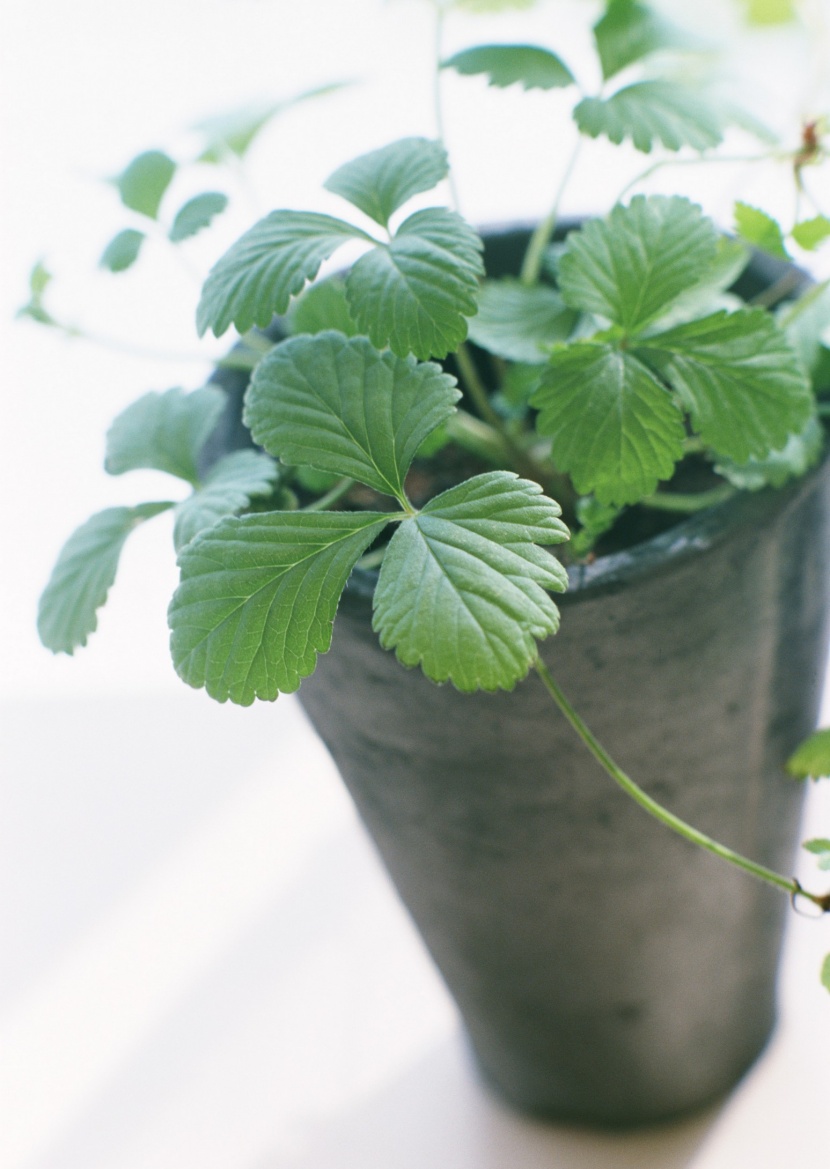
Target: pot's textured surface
606 970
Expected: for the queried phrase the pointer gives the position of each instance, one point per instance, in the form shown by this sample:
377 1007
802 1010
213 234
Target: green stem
689 502
477 437
788 884
697 161
334 495
543 234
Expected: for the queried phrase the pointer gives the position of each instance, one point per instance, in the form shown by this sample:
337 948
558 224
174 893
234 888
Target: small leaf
650 112
39 279
337 404
463 585
631 266
820 848
760 230
196 214
519 322
230 486
825 973
739 379
322 306
143 183
382 181
797 456
257 277
596 519
811 233
630 31
122 250
765 12
615 428
165 432
84 574
415 294
258 597
233 132
526 65
811 760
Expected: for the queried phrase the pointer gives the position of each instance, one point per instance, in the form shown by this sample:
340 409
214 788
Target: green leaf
760 230
825 973
820 848
630 31
811 233
271 262
230 486
491 6
122 250
142 184
614 427
631 266
797 456
322 306
382 181
232 133
463 585
165 432
767 12
339 405
807 322
519 322
258 596
708 294
196 214
650 112
526 65
415 294
811 760
39 279
596 519
83 575
740 380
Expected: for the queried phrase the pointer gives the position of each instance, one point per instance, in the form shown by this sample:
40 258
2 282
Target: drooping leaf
518 322
83 575
383 180
232 133
811 233
196 214
416 294
258 596
143 182
229 487
614 427
271 262
339 405
821 849
322 306
797 456
740 380
629 31
631 266
530 66
164 431
651 112
760 230
122 250
463 589
811 760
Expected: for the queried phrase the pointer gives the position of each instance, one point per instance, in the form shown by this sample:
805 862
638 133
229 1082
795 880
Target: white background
200 963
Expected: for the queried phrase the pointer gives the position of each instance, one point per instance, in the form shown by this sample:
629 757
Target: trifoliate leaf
142 184
322 306
230 486
760 230
811 760
258 596
631 266
518 322
615 428
122 250
383 180
820 848
526 65
740 380
339 405
164 432
83 575
797 456
650 112
807 323
196 214
232 133
463 585
811 233
630 31
416 294
271 262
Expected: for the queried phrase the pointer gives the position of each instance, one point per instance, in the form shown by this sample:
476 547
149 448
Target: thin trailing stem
543 234
693 835
698 160
689 502
332 496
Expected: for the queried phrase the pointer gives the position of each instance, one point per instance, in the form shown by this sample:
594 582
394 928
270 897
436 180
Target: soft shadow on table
438 1114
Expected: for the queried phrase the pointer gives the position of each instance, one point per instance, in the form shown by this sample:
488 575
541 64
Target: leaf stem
693 835
689 502
332 496
698 160
543 234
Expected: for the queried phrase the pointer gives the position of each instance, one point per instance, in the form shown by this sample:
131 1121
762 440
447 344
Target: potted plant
639 391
